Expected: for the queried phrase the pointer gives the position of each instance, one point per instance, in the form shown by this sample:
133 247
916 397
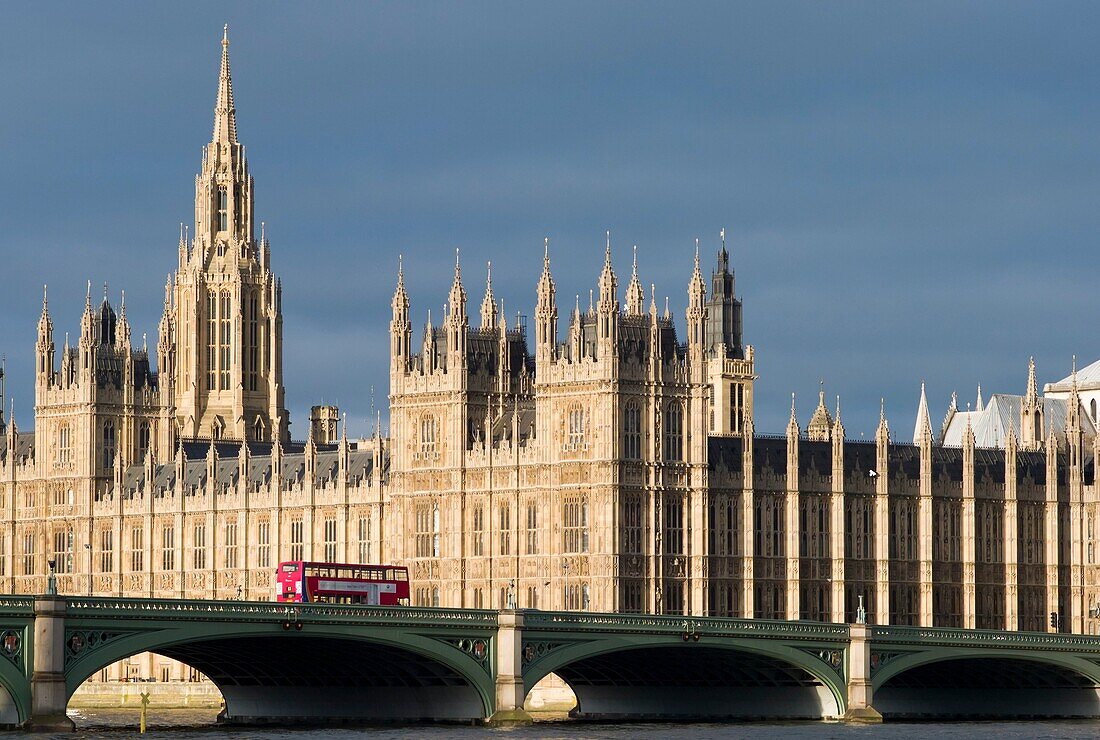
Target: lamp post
51 579
88 547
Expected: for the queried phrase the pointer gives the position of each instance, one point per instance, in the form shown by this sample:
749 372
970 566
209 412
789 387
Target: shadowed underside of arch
273 678
692 681
988 687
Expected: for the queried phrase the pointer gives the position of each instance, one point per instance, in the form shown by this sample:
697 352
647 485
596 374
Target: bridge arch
15 694
987 683
665 677
323 671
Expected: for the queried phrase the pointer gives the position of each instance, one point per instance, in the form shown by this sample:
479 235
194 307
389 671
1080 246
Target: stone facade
615 468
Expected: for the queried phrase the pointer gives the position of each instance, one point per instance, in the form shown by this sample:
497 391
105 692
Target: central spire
225 115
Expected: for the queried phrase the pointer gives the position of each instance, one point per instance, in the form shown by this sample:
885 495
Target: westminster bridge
312 663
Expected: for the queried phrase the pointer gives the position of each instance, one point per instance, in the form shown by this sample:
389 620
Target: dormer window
223 210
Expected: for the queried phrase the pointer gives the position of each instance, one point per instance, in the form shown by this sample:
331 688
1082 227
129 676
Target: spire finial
635 259
546 250
838 408
225 115
722 234
88 298
458 265
44 301
589 300
882 409
263 230
821 391
607 249
696 253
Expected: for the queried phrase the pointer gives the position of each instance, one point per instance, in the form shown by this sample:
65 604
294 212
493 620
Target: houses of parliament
614 466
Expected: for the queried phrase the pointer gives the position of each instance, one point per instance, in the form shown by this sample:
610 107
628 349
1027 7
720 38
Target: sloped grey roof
1088 378
24 445
1002 413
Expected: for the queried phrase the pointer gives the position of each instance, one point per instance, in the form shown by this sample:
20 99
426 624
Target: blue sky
910 189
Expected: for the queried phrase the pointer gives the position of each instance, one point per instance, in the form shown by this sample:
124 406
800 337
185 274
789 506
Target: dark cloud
909 189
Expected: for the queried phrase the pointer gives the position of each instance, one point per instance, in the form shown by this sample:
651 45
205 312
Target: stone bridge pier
49 697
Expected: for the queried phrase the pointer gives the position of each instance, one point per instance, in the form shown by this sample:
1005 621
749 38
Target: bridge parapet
675 624
972 638
267 611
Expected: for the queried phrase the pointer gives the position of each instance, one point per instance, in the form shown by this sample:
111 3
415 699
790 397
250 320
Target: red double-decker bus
342 583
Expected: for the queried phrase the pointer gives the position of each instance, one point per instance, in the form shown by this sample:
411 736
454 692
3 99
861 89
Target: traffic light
1054 620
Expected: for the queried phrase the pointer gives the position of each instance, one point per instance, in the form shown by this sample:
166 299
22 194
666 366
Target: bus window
290 567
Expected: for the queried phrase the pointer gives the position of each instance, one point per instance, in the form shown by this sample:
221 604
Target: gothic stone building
613 468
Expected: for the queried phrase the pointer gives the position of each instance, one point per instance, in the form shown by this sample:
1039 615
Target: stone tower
730 369
225 310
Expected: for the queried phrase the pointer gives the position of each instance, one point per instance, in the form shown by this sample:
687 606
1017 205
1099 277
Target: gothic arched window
428 435
253 340
435 536
674 431
211 341
64 444
223 210
143 439
225 340
632 431
108 445
575 428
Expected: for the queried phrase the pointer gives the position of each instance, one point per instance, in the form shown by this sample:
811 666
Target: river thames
193 723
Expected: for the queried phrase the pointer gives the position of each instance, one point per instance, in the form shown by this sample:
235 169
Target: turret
723 334
242 465
184 251
697 309
87 336
45 346
882 433
400 326
456 321
488 303
122 328
67 377
635 296
546 312
608 307
1075 439
428 350
166 343
1031 412
793 435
